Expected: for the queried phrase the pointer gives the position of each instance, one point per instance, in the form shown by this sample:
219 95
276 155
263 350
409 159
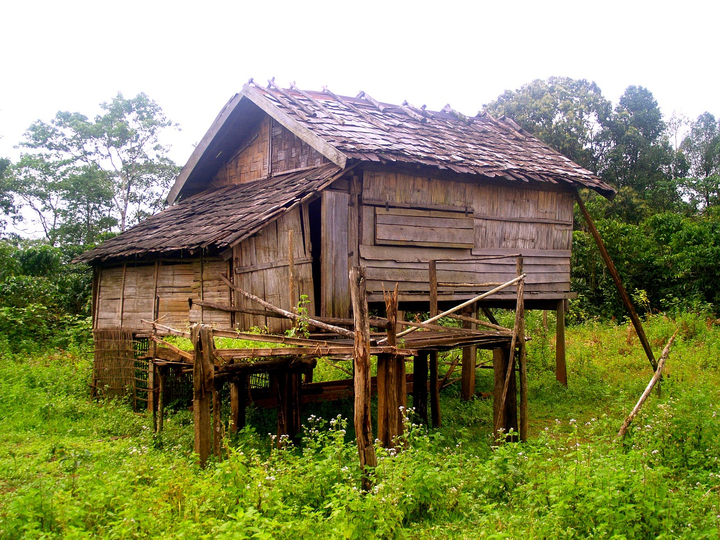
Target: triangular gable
233 123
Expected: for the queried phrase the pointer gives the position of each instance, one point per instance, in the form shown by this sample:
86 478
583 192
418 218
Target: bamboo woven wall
114 366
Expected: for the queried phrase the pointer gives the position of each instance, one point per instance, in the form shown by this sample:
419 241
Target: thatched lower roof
216 219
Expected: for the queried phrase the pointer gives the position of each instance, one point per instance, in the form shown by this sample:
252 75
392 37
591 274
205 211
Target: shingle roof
216 219
363 129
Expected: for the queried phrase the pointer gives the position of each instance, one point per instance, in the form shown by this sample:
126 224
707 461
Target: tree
702 150
120 147
569 115
641 160
7 206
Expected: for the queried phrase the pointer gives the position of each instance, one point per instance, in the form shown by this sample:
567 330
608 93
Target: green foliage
71 467
44 299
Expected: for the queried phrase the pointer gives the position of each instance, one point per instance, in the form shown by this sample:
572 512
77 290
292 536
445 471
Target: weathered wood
203 386
653 381
395 226
334 251
160 384
217 418
391 382
469 358
479 322
361 355
618 282
464 304
504 417
287 314
168 351
332 350
515 337
238 397
560 362
287 387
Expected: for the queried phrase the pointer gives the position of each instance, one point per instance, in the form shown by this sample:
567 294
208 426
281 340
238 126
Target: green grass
71 467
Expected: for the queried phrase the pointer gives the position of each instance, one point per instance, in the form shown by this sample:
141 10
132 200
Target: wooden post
524 419
505 417
390 381
238 397
434 378
161 377
560 364
469 359
203 386
217 418
420 389
287 384
363 421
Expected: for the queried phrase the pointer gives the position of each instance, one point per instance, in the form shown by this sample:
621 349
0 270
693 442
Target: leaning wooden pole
363 420
648 389
618 283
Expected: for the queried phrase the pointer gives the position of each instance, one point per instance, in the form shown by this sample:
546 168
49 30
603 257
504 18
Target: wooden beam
524 411
238 399
504 417
363 420
618 282
420 388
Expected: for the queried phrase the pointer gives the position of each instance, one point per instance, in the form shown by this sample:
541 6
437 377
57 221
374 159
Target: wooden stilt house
290 189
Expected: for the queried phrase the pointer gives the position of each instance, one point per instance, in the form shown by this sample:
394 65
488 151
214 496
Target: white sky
192 57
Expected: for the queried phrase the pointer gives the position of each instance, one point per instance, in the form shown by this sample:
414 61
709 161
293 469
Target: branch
650 386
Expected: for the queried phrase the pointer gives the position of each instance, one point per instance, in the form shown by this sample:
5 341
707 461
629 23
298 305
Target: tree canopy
83 178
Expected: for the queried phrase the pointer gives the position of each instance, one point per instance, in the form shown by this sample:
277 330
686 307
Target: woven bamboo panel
114 366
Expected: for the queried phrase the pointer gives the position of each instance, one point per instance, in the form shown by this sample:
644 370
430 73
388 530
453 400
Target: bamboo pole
287 314
618 282
524 420
655 378
464 304
363 420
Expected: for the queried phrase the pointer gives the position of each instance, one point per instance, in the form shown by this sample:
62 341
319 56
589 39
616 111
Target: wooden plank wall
262 267
126 294
408 220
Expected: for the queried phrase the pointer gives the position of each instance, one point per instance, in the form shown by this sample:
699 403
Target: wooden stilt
363 421
434 375
217 419
504 416
160 384
560 365
390 381
420 389
238 398
287 386
524 419
203 385
469 359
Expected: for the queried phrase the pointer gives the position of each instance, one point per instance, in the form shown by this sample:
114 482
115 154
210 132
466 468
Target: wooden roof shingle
363 129
216 219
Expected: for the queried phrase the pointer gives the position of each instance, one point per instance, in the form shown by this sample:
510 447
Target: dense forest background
79 181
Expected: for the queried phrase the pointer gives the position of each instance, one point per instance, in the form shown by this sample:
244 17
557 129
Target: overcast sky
191 57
